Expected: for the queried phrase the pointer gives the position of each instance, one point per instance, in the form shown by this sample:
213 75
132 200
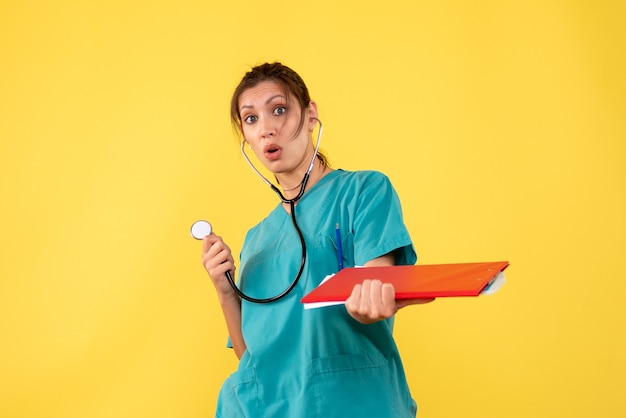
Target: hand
372 301
217 259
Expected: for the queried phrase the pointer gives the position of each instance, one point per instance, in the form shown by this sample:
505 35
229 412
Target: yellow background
502 125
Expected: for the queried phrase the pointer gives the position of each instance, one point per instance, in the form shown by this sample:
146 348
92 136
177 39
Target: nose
268 128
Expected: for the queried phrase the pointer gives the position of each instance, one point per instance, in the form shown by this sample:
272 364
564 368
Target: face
269 120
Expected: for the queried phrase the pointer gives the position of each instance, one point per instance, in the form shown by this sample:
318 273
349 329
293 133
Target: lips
272 152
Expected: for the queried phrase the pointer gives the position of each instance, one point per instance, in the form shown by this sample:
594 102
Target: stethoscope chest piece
200 229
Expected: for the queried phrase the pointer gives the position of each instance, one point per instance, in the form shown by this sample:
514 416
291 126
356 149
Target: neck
293 188
293 184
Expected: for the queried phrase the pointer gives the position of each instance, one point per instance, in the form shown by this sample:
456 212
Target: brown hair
287 79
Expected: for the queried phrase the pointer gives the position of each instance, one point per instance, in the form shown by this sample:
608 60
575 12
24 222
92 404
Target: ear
312 114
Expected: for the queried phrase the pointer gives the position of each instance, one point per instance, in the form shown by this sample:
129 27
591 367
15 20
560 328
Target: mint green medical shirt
319 362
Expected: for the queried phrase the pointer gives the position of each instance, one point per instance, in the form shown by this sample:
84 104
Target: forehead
258 95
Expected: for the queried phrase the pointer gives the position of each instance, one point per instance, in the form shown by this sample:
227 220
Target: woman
334 361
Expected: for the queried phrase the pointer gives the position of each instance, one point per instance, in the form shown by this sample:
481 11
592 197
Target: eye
280 110
250 119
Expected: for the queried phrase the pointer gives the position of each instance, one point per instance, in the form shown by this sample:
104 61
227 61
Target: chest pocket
327 247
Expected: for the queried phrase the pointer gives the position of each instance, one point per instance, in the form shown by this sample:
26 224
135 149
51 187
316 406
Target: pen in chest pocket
339 249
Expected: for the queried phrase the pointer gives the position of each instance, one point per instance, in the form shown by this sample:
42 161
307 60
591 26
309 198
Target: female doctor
338 361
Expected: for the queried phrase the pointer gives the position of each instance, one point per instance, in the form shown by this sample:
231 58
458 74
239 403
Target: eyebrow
266 102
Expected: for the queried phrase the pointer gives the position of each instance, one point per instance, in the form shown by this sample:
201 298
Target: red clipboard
419 281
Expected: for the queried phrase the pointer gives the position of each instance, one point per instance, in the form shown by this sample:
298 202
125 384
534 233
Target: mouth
272 152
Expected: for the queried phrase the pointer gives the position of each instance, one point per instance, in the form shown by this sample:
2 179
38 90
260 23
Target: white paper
495 285
315 305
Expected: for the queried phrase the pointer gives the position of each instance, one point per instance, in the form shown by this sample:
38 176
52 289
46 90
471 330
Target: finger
376 292
354 300
365 299
388 295
207 242
217 257
214 247
375 299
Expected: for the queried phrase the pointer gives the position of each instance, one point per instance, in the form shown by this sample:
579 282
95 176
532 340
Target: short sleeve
379 226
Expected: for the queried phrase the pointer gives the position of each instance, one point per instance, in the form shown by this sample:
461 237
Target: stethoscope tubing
294 282
292 206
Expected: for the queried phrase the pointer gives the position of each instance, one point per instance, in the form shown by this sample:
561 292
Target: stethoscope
201 228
